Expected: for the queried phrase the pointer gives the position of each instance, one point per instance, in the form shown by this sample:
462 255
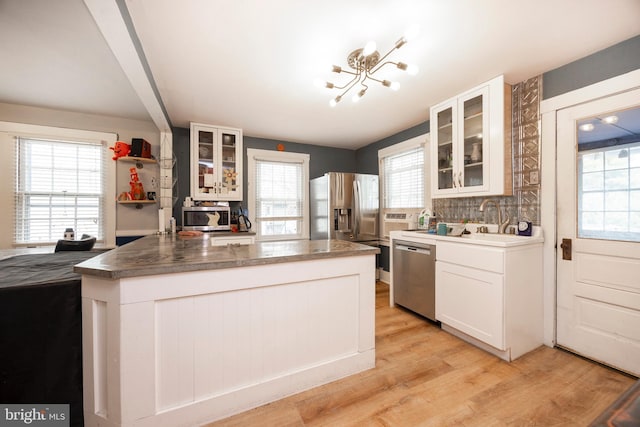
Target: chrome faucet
502 226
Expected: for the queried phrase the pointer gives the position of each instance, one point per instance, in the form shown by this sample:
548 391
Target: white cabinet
216 162
490 295
471 143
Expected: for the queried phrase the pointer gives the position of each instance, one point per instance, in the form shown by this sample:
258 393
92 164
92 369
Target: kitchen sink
494 237
482 239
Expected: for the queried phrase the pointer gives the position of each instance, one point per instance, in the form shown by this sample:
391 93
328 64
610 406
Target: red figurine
137 192
120 149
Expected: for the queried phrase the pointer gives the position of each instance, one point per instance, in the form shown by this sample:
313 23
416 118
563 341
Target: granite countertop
162 254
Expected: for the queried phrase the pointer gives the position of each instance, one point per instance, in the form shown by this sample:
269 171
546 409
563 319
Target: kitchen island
177 331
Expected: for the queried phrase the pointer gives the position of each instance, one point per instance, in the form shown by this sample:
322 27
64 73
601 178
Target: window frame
399 148
254 154
22 130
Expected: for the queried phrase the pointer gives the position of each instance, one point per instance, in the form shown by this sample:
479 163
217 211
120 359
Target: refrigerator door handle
356 208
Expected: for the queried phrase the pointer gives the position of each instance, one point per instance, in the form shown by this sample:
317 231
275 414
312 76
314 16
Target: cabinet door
216 163
230 155
480 143
204 158
471 301
472 162
443 147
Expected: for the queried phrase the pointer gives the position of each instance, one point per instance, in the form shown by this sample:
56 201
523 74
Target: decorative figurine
120 149
137 192
229 179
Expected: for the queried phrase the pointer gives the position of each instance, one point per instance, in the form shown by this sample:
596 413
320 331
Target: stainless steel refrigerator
344 206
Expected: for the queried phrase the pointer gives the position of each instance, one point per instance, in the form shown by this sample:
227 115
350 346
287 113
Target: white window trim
415 142
254 154
107 139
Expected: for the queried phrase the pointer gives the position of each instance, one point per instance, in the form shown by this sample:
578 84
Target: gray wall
367 157
610 62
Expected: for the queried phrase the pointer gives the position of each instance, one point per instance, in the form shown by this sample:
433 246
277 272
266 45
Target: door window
609 176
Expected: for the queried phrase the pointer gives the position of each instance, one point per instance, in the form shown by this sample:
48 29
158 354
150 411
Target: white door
598 210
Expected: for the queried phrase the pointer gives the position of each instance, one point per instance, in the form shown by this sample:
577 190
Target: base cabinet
492 297
471 300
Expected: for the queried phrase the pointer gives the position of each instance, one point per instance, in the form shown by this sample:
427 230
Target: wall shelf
139 161
138 203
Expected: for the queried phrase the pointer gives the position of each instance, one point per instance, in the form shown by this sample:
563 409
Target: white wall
127 217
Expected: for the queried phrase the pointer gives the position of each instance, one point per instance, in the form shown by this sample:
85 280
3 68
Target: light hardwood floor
426 377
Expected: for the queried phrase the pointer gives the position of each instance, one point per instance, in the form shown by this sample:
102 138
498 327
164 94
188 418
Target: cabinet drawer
222 241
474 256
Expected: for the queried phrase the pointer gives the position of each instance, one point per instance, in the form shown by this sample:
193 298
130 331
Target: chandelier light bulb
319 83
395 86
335 101
369 48
412 69
359 95
401 42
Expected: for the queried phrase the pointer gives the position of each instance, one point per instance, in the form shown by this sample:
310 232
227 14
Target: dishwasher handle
413 249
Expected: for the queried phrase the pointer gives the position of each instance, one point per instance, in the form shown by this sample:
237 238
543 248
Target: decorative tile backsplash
525 202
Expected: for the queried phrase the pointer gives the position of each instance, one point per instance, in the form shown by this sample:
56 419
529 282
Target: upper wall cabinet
216 162
471 143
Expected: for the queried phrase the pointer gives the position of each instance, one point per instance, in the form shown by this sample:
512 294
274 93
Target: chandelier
366 62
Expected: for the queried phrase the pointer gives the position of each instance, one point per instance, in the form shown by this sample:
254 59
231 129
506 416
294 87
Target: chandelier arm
348 72
379 66
373 78
348 83
393 49
352 83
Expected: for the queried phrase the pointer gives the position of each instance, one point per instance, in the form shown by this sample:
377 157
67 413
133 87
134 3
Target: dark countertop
170 253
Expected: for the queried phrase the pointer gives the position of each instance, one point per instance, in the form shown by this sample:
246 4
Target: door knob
566 249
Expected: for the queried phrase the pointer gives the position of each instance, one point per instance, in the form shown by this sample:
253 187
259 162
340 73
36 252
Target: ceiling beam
114 22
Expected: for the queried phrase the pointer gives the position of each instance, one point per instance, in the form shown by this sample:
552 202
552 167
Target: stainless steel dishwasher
414 277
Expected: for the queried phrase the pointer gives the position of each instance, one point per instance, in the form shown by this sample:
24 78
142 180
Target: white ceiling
54 56
251 63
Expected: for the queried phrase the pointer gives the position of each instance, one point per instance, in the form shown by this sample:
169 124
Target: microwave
206 218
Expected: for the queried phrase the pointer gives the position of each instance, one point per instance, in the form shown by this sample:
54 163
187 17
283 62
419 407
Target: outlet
533 177
154 183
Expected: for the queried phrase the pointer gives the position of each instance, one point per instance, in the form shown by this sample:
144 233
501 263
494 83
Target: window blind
279 198
58 185
403 176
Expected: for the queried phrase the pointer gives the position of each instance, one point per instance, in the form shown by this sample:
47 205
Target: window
59 185
609 193
279 194
402 174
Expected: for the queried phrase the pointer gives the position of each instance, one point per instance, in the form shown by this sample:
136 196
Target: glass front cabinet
471 143
216 163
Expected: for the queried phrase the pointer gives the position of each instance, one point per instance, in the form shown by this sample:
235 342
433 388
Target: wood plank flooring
426 377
